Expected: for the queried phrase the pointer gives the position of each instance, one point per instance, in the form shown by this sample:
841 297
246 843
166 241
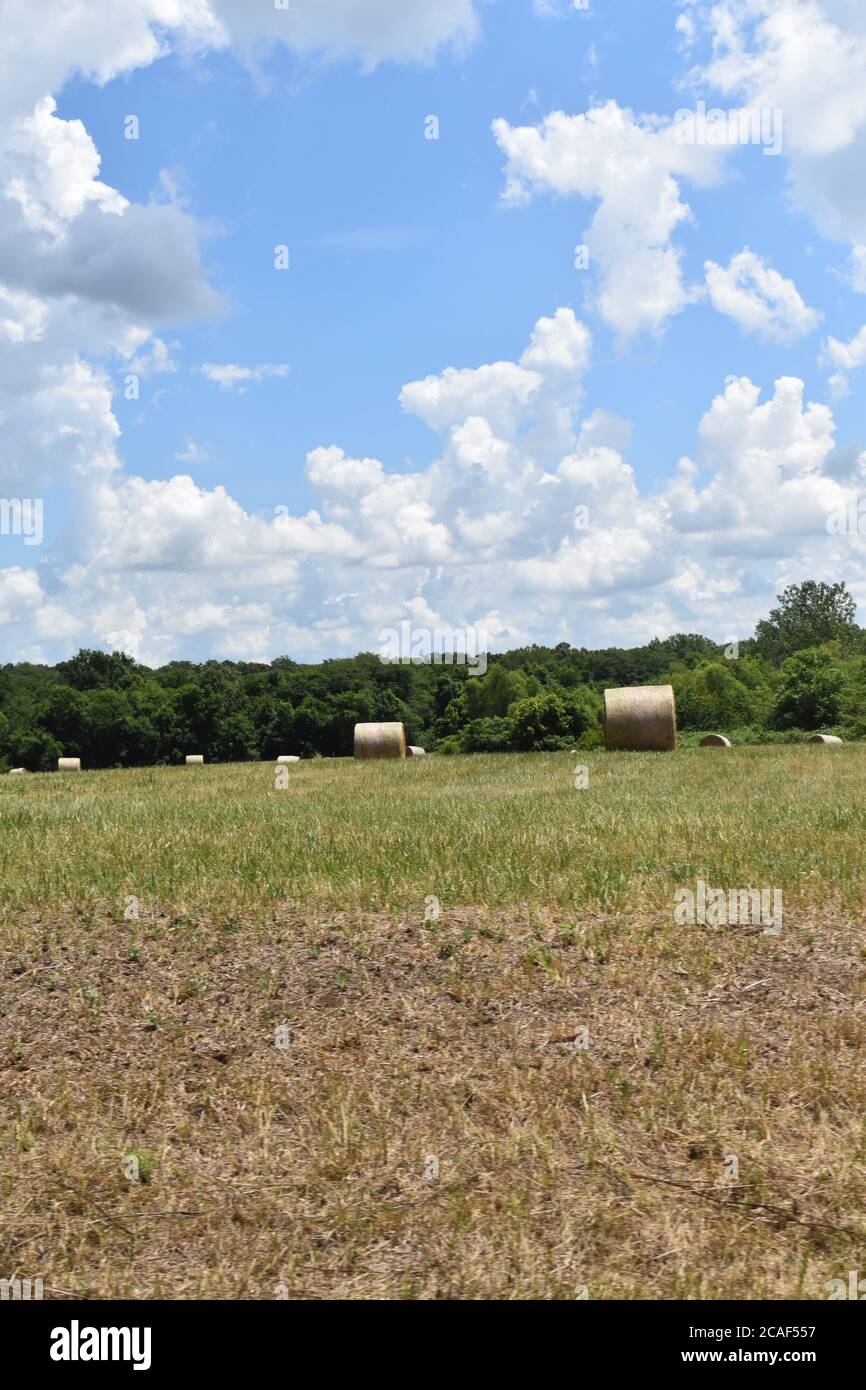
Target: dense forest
804 669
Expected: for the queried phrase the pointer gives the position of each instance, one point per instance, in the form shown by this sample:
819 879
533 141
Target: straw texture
380 741
641 718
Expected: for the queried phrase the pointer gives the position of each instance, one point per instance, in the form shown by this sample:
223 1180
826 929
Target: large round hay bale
640 718
414 752
824 738
288 758
194 759
15 771
68 764
380 741
714 741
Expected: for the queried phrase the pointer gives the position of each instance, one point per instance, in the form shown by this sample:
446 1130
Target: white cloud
516 514
84 272
229 376
558 345
526 502
375 30
193 453
848 356
631 166
769 479
22 316
845 357
333 473
156 358
806 58
857 269
759 299
55 420
20 594
97 39
50 169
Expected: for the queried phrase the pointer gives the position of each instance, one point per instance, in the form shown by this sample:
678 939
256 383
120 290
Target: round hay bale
824 738
714 741
68 764
640 718
413 752
380 741
194 759
288 758
13 771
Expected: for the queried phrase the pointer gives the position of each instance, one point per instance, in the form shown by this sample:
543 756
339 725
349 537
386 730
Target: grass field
245 996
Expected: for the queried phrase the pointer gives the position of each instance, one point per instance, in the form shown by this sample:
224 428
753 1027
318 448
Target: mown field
245 995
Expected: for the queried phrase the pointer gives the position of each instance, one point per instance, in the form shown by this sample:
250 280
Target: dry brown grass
455 1039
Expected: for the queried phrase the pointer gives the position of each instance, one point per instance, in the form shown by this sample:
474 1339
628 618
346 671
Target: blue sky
408 259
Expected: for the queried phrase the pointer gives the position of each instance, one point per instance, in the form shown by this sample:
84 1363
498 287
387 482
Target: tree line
804 669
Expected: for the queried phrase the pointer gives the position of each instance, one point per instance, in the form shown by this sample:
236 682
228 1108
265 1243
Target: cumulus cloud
56 420
22 316
86 274
759 299
806 58
513 517
96 39
529 521
50 169
846 358
769 480
631 166
21 594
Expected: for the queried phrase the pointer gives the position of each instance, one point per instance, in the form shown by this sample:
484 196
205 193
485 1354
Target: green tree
541 722
95 670
33 748
853 702
63 715
111 736
583 709
712 696
810 691
200 708
236 739
355 707
491 695
488 736
808 615
307 728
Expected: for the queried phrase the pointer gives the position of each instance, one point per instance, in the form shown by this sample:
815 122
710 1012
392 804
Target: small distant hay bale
824 738
640 718
413 752
15 771
194 759
68 764
715 741
380 741
288 758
